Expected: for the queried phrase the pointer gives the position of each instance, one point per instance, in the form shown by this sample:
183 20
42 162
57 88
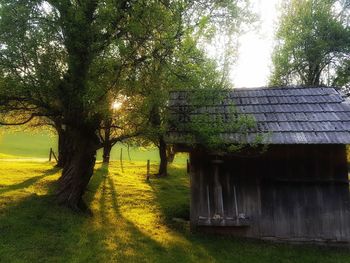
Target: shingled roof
290 115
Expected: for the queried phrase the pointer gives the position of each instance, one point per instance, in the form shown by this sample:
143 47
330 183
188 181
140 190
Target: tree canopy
312 42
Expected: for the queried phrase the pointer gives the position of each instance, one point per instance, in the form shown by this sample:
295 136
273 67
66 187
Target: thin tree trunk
317 76
107 147
314 74
163 166
162 147
170 153
77 170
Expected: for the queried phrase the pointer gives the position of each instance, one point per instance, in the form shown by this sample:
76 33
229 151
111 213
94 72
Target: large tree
183 64
188 68
312 42
61 59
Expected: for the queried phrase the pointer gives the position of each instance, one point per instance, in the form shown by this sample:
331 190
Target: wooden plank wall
297 192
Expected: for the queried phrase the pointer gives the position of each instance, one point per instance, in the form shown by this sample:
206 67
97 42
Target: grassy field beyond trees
38 144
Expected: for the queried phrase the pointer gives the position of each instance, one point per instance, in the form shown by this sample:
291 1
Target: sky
254 55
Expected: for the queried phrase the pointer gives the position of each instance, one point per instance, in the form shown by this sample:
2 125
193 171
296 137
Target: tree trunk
163 166
63 148
314 74
170 153
77 170
162 147
107 147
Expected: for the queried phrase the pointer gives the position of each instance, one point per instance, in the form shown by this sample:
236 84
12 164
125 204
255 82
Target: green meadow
132 219
37 144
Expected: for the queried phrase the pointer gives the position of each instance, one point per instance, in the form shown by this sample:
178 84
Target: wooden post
121 159
208 204
236 205
129 152
54 156
219 204
52 153
148 170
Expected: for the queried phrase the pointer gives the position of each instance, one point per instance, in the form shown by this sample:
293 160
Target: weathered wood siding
296 192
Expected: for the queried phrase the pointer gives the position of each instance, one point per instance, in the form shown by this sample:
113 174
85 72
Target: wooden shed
297 190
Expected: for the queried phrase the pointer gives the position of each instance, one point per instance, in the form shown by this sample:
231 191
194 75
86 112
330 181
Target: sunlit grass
132 222
6 156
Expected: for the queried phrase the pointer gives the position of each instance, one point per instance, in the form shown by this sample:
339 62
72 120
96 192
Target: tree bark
162 147
62 145
163 166
77 170
63 148
314 74
170 153
107 147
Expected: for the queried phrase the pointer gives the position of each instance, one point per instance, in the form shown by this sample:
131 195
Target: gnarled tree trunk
63 144
77 170
63 148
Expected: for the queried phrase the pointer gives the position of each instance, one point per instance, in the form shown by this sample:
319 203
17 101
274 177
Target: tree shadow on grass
28 182
172 194
126 242
98 177
35 229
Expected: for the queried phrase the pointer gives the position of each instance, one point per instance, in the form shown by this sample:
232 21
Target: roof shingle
290 115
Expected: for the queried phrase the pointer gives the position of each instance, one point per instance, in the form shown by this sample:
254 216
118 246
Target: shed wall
295 192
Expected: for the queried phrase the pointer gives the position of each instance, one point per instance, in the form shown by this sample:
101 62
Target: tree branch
20 123
120 139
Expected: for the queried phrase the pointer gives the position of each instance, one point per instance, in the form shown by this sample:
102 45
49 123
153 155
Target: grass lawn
131 222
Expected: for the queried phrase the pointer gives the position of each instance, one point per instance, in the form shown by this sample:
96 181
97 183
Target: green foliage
312 43
67 61
210 117
64 59
180 62
186 68
342 78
